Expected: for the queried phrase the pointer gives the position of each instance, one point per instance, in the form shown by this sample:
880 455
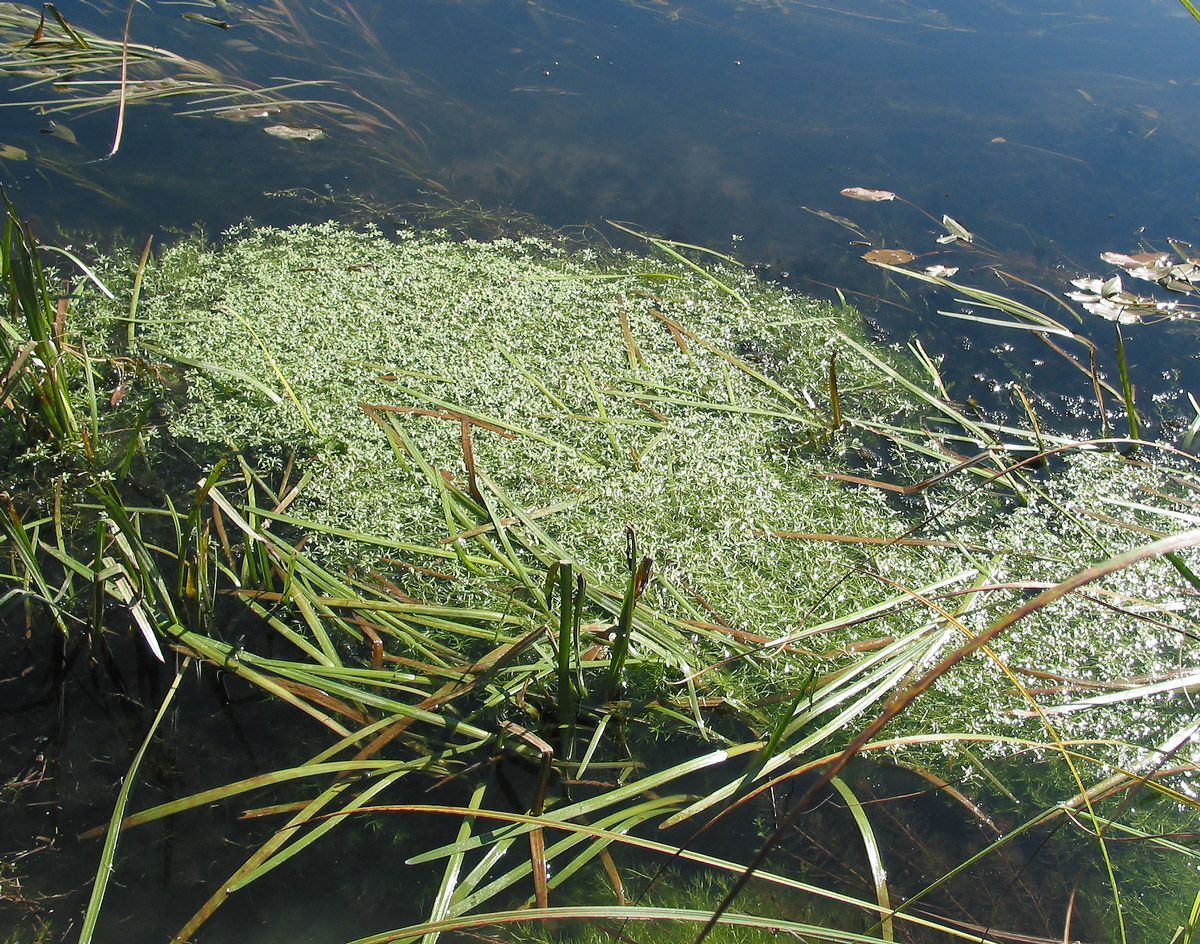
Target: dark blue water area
1052 131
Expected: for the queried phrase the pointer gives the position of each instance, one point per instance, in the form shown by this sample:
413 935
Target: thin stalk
108 855
570 601
120 130
136 293
639 576
1126 386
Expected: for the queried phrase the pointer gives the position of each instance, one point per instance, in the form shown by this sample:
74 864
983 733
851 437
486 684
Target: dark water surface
1053 129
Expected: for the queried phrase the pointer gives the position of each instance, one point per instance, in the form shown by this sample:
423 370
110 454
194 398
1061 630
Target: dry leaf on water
871 196
958 232
295 134
889 256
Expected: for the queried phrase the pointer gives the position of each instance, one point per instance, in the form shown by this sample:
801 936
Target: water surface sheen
1054 131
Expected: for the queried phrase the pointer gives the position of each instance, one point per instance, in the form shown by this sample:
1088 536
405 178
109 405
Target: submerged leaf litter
600 390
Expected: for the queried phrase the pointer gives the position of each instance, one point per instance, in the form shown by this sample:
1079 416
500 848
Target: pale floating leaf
1110 301
1172 284
941 271
1187 251
246 112
1188 271
1104 307
288 133
1117 258
888 256
998 141
1122 314
1091 286
8 152
957 231
871 196
1149 266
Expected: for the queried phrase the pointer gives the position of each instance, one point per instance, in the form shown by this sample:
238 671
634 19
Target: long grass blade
120 129
107 856
874 858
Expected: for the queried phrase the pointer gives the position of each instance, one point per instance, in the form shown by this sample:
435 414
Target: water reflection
711 118
1054 132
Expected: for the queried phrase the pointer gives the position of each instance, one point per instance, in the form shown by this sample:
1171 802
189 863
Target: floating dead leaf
871 196
941 271
1151 113
998 141
1150 266
1136 259
1087 97
889 256
957 231
8 152
288 133
1186 251
834 218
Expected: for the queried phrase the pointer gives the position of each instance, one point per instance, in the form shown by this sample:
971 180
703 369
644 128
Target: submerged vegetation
601 558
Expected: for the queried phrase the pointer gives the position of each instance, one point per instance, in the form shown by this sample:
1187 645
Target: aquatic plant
627 525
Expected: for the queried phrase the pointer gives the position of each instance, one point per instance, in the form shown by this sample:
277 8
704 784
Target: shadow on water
73 718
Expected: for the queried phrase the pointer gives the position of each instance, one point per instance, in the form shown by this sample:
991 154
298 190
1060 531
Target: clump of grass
423 460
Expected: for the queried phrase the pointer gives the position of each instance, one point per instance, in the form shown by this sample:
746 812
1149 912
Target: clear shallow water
717 124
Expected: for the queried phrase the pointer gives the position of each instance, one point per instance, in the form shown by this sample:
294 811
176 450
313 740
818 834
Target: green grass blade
1189 933
105 869
1126 386
449 888
874 859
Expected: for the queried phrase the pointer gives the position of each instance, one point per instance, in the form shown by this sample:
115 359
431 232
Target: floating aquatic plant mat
499 492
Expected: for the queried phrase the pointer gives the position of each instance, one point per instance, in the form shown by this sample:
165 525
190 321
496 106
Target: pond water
1052 129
